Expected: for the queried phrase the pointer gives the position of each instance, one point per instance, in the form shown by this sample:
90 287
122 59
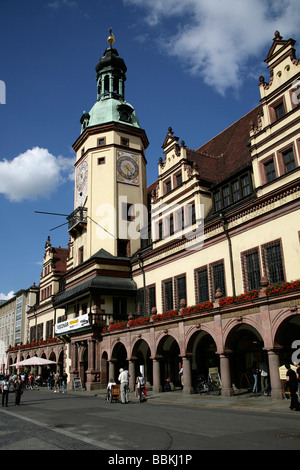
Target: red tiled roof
228 152
225 154
60 256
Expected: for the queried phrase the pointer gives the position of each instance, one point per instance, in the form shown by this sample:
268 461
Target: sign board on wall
73 324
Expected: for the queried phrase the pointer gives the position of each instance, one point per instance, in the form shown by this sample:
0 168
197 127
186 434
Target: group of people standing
123 379
17 384
260 376
56 381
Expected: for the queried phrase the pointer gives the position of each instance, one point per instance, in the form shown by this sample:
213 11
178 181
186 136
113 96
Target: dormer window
168 186
279 111
178 179
232 192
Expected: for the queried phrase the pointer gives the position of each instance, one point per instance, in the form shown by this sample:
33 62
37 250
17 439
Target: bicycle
207 387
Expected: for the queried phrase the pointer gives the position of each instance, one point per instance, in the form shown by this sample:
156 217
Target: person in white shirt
124 385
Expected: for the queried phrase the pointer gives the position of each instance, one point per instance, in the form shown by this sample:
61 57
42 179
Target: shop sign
73 324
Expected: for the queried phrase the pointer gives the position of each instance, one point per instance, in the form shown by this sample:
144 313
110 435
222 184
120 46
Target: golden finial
111 37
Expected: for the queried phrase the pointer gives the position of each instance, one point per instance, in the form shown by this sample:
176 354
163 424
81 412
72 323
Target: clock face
127 168
81 183
81 176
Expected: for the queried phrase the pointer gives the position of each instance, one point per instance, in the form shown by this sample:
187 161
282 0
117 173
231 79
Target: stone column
92 375
227 389
74 362
111 371
187 376
156 376
273 359
131 370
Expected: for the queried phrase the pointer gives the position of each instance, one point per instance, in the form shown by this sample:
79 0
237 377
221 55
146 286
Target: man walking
124 385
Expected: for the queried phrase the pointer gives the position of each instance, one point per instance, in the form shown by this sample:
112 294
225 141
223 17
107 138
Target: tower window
101 161
101 141
124 141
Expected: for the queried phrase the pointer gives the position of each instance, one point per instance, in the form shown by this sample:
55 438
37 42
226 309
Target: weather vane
111 37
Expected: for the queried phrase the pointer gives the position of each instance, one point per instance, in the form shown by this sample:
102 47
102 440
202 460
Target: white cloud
217 38
8 296
35 173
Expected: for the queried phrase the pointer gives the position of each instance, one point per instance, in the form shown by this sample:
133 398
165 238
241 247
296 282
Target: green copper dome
110 105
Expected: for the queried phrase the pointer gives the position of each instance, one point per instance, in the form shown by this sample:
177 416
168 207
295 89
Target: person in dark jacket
292 384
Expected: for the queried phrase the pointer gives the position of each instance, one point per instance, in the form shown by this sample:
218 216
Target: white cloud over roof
217 38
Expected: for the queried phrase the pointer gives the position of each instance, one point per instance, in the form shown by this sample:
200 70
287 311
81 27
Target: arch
286 333
202 349
119 358
142 359
168 353
246 346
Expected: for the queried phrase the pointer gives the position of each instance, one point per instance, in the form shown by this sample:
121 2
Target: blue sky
192 65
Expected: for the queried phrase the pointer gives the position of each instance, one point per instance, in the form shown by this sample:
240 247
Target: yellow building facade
198 270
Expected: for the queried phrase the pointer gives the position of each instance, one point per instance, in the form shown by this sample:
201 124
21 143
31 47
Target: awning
103 284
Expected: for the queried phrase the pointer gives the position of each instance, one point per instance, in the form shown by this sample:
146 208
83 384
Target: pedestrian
5 390
64 378
140 387
18 388
108 388
25 381
31 381
298 379
50 381
292 384
56 382
124 385
263 376
255 377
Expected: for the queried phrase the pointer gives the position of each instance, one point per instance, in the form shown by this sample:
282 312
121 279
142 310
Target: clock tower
110 170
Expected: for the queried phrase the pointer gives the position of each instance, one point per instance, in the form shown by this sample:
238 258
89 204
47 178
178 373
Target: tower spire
111 37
